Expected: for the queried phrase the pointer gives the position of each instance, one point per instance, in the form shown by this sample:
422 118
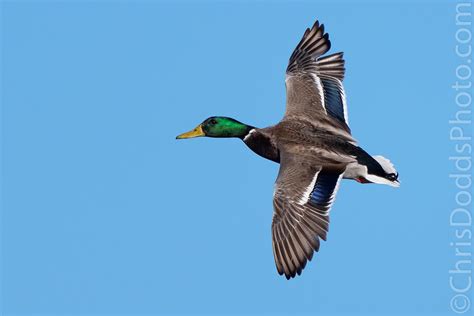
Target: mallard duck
314 147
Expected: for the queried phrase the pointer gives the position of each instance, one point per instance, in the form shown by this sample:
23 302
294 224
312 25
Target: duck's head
218 126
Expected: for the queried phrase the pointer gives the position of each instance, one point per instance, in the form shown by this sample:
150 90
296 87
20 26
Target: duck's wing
302 199
314 87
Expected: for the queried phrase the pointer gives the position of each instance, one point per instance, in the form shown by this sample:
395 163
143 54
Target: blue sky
104 212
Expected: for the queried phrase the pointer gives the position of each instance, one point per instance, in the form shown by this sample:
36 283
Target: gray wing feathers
331 66
298 225
331 72
313 44
314 83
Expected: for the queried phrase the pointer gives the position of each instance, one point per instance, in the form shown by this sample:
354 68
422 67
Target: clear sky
104 212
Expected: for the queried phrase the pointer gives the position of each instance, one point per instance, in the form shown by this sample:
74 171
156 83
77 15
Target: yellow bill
197 132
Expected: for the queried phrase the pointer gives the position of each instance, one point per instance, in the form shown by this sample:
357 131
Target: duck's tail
390 175
368 169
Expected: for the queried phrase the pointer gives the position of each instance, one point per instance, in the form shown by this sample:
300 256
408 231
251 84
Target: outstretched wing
314 87
302 200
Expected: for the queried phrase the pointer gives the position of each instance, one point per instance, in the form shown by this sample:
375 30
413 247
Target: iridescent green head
218 126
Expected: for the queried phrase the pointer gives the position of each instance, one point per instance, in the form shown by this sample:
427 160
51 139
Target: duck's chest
263 144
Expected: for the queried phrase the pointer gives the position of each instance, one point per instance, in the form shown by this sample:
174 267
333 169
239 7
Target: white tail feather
388 167
376 179
386 164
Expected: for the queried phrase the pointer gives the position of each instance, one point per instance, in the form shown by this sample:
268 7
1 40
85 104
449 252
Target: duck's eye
213 122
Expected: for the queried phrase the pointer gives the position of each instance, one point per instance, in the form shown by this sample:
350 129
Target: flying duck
313 145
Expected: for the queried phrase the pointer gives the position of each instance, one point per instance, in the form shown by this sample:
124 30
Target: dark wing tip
314 43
